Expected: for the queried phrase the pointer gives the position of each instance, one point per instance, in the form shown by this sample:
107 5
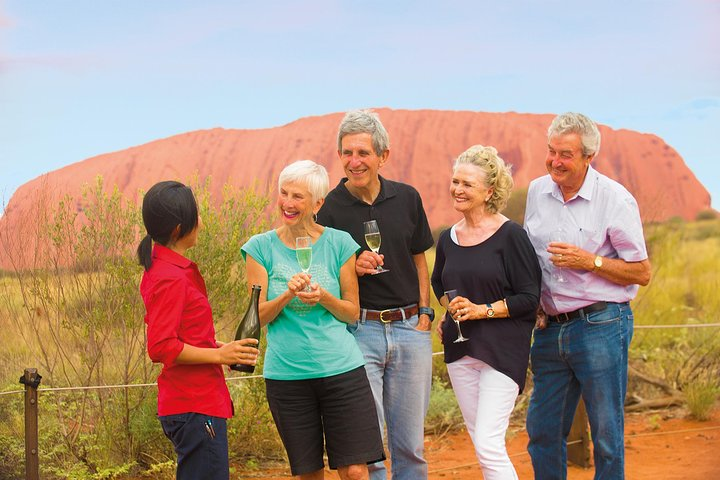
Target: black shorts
338 411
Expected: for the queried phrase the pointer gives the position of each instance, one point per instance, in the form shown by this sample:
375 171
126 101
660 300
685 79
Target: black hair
165 206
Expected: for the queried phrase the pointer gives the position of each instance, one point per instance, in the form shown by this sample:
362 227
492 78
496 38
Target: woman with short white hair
317 389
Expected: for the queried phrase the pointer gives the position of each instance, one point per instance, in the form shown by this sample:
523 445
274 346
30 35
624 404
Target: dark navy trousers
201 446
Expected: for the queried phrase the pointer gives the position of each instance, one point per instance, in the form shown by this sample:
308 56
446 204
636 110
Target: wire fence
233 379
31 415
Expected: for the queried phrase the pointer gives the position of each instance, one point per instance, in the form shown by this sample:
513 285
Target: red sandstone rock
424 144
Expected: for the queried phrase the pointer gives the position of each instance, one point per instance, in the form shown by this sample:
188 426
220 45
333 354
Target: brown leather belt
580 312
389 315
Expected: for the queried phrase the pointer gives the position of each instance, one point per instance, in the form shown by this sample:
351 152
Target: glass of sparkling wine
450 294
372 238
558 235
303 253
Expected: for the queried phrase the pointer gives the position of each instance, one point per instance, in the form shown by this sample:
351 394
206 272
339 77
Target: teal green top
303 341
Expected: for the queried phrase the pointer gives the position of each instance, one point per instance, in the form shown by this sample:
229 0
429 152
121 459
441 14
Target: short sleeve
626 232
422 239
347 247
258 247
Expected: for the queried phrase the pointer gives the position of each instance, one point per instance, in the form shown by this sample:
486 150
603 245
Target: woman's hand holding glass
302 287
463 309
456 310
299 281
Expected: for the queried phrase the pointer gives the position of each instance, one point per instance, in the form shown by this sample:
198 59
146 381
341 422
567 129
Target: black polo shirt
404 230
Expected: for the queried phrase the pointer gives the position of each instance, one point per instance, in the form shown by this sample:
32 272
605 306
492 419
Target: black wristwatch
427 311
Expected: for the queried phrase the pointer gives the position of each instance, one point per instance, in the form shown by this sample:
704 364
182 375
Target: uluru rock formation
424 144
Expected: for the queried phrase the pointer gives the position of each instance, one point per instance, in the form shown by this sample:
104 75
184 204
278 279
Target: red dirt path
659 446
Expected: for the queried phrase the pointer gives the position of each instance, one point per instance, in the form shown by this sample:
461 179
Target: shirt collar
387 190
588 185
586 190
161 252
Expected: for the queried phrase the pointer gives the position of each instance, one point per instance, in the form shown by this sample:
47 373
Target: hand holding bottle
248 332
238 352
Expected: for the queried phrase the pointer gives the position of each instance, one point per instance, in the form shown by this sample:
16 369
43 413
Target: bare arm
616 270
424 289
257 275
624 273
240 351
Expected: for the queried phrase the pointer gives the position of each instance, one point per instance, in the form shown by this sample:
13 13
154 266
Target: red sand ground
659 446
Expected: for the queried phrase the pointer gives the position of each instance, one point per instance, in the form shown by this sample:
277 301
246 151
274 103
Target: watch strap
427 311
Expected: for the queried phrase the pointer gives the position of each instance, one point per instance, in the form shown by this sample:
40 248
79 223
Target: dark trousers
200 443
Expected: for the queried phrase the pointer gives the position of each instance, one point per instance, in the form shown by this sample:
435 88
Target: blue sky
84 77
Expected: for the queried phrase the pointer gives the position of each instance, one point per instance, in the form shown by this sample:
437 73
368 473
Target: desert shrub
77 315
251 432
700 396
12 446
706 215
443 412
683 291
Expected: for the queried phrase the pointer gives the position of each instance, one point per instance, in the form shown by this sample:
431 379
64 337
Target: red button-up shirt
178 312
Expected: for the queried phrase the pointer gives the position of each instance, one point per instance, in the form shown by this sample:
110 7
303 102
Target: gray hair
308 173
577 123
498 174
365 121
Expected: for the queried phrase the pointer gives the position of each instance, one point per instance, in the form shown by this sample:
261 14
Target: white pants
486 398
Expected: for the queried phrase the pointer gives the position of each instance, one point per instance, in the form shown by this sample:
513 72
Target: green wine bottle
249 326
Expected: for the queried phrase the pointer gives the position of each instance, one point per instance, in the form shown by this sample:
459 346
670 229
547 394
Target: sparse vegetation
701 395
77 316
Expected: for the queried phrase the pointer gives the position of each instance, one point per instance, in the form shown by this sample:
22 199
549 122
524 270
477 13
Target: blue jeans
398 362
587 356
200 442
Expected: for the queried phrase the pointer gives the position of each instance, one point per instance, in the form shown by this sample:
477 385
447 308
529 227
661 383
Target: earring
315 217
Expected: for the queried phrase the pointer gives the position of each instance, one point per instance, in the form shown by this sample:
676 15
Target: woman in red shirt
193 399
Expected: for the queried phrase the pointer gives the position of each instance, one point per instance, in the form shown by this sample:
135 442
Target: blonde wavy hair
498 175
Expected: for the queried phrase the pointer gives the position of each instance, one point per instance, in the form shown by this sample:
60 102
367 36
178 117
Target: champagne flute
303 253
450 294
558 235
372 238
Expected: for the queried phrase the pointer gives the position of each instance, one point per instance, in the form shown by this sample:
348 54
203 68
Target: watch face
598 262
490 312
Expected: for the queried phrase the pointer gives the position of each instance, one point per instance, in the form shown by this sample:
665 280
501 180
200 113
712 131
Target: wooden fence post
31 380
578 452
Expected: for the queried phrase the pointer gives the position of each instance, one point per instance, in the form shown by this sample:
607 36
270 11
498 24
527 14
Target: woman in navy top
490 262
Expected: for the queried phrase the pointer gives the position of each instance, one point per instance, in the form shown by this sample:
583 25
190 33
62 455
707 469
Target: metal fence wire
578 441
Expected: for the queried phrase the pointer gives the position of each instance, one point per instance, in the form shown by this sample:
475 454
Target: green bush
78 316
443 412
706 215
700 396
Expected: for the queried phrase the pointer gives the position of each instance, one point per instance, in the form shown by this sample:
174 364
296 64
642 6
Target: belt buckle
388 310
